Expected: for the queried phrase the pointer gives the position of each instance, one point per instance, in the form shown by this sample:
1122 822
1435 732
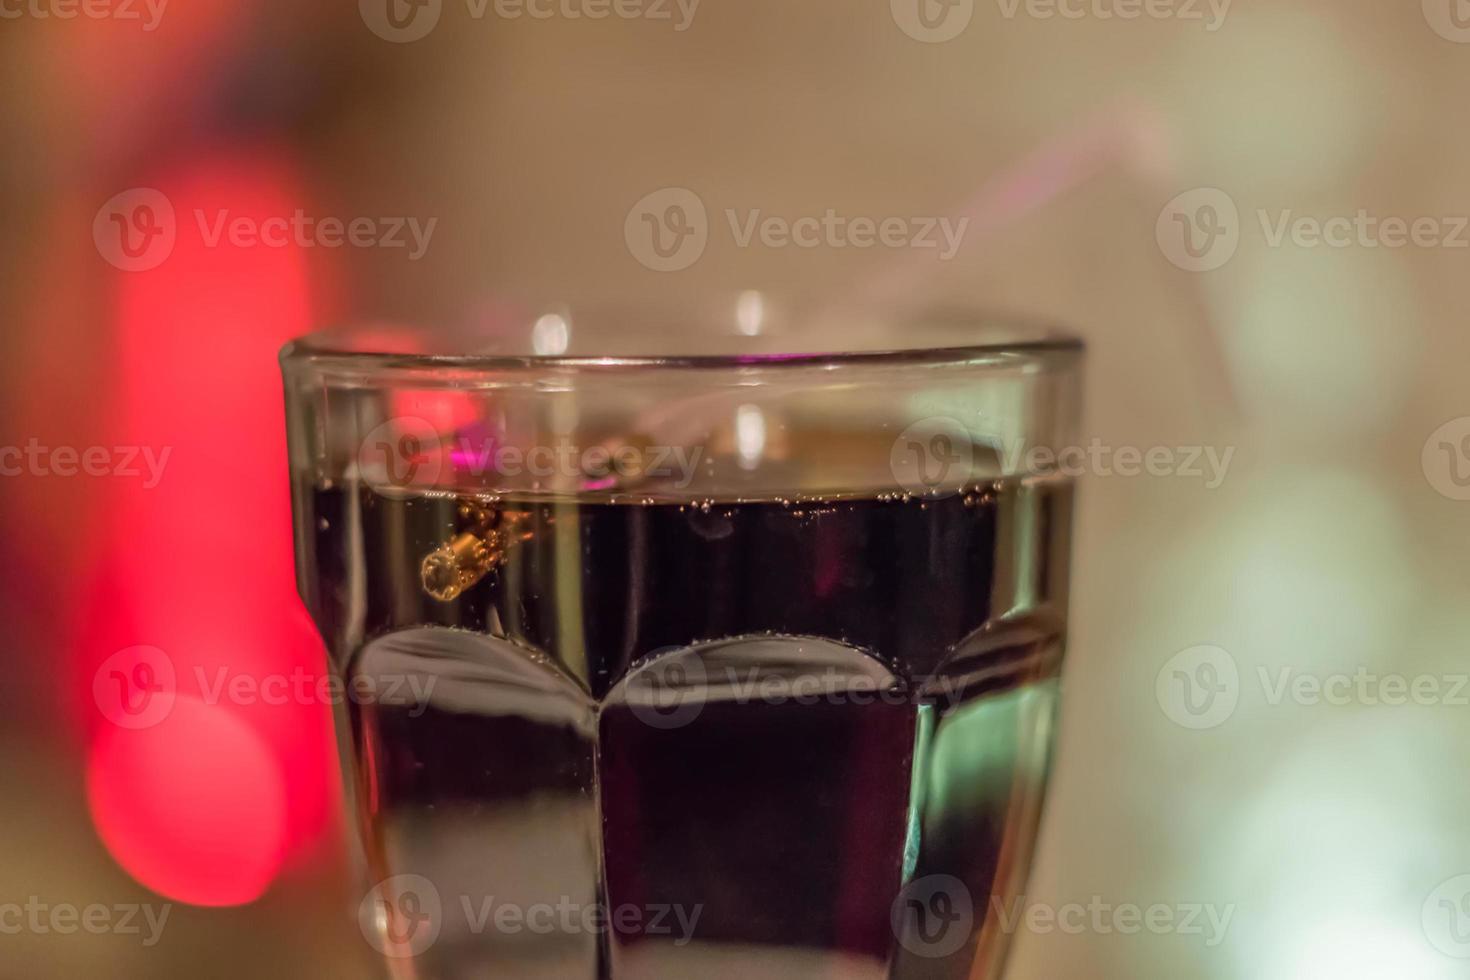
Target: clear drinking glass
675 650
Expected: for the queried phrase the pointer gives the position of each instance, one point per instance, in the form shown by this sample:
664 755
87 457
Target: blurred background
1255 213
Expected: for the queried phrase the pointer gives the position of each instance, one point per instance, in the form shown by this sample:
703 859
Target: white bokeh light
1305 565
1280 95
1321 340
1333 855
1363 948
750 435
750 313
551 336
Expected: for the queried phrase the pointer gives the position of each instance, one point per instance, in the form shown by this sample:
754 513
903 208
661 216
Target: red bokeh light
194 808
208 807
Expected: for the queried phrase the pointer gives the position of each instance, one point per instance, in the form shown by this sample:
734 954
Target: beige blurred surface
1328 549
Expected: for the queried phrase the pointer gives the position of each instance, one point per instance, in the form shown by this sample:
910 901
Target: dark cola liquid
774 739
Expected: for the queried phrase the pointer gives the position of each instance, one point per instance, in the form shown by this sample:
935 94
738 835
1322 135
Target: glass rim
975 338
